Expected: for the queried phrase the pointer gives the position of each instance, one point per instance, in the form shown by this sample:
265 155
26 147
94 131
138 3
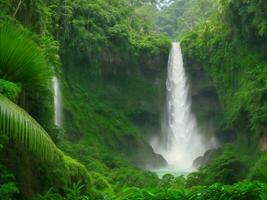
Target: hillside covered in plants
83 91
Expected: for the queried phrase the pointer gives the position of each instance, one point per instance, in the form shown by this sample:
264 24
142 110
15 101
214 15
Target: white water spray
182 141
57 102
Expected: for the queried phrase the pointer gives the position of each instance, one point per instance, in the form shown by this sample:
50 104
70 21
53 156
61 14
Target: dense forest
107 61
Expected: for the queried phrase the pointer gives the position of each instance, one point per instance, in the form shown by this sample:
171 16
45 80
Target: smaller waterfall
57 102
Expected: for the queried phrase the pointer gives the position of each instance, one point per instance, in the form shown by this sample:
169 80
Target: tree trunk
17 8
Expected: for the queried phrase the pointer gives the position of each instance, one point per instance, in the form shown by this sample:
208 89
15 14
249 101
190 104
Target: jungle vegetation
111 58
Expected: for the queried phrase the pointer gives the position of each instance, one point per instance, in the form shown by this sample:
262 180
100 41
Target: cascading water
182 141
57 102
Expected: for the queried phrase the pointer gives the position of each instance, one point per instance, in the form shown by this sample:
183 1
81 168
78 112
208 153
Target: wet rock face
209 155
199 162
205 102
141 153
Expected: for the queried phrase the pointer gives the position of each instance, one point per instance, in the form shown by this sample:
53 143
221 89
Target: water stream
57 102
181 141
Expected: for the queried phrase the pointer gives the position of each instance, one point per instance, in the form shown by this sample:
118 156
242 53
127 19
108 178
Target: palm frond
21 127
21 60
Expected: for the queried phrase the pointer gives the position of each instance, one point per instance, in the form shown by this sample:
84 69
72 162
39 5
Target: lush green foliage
72 193
103 32
181 16
24 64
243 190
244 74
226 169
259 170
126 177
249 18
112 75
241 84
89 34
109 126
49 195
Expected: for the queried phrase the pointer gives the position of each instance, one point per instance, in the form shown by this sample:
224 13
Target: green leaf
21 127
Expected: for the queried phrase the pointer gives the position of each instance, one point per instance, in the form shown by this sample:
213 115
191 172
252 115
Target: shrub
225 169
259 171
101 185
75 172
127 177
239 191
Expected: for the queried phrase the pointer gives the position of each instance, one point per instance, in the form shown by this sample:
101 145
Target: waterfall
57 102
182 141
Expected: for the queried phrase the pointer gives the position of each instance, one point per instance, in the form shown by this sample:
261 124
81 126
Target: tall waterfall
182 141
57 102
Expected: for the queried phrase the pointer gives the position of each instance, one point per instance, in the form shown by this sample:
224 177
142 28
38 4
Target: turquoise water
176 173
